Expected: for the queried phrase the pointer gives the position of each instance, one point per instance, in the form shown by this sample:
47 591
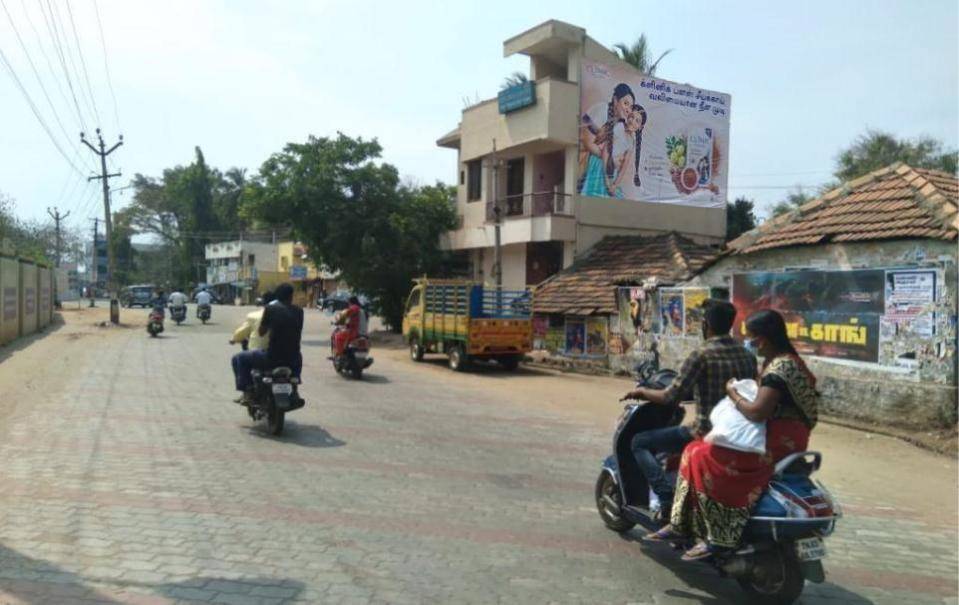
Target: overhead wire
35 110
106 67
39 79
83 63
58 49
64 41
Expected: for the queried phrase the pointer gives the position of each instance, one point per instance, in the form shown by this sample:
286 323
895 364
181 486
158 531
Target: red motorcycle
155 323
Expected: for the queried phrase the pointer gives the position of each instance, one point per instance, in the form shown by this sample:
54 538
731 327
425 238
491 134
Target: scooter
783 542
203 312
155 322
275 393
355 356
178 314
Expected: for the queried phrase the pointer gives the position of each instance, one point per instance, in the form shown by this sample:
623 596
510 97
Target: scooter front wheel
609 503
777 578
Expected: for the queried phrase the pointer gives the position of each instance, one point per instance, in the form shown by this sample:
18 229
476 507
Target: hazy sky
241 78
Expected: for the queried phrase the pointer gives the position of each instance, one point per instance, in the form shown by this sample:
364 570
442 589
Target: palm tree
514 79
638 55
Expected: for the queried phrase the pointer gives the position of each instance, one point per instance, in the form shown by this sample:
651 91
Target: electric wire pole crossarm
108 219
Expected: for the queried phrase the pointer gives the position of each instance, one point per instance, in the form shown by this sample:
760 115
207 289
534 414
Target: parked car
137 296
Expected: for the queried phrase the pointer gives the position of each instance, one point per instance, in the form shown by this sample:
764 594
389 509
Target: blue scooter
783 543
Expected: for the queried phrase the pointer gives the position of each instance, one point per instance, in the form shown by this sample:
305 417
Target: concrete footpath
130 477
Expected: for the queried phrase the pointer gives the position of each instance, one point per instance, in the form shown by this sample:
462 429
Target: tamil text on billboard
651 140
828 313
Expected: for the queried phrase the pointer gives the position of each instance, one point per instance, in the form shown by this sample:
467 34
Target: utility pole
108 219
92 269
57 217
498 251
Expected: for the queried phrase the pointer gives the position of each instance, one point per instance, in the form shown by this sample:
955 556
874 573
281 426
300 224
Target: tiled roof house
896 202
588 286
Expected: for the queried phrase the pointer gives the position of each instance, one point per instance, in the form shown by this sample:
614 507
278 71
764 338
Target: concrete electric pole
497 250
57 217
108 219
92 268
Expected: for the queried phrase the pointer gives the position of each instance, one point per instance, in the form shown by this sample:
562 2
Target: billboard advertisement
651 140
828 313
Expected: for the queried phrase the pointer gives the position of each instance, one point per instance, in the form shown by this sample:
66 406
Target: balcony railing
526 205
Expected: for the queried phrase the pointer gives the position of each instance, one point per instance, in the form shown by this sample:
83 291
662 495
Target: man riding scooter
178 302
203 301
706 371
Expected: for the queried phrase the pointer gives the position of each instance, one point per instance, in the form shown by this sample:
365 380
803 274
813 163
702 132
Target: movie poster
575 337
671 311
693 299
596 336
651 140
828 313
540 328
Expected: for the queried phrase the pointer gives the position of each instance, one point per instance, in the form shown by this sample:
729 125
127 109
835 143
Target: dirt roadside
883 473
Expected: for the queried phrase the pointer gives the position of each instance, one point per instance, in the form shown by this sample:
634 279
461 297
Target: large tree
876 149
355 216
739 218
639 55
186 208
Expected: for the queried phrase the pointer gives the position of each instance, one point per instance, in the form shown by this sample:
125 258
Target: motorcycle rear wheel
779 580
274 420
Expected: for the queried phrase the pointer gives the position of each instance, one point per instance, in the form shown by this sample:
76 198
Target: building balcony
551 120
532 217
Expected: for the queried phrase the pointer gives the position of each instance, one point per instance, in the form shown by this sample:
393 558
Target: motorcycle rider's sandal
699 552
666 534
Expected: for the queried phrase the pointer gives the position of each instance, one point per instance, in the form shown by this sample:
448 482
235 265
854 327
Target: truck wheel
510 362
416 349
458 359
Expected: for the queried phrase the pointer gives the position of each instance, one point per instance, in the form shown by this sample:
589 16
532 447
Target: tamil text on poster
651 140
910 296
828 313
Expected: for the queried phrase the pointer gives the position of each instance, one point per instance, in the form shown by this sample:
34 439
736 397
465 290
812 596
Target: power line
83 63
36 112
36 74
58 49
106 67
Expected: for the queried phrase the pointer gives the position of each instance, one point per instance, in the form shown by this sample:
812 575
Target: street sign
517 97
298 272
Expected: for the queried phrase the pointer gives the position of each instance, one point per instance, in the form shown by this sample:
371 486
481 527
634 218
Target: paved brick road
132 479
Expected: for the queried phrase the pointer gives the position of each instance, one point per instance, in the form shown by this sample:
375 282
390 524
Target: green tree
794 199
355 216
123 253
639 55
876 149
739 218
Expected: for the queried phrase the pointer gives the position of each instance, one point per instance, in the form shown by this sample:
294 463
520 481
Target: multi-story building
518 153
232 268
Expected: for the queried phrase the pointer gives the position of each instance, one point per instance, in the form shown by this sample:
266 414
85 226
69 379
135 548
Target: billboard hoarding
651 140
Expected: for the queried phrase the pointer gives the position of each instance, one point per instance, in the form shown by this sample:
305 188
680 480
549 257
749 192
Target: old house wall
918 392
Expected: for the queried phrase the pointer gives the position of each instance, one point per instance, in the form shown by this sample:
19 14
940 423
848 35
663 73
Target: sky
241 78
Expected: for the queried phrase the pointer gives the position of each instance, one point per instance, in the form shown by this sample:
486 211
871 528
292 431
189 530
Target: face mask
750 345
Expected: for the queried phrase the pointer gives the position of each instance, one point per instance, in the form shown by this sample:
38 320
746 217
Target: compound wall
26 298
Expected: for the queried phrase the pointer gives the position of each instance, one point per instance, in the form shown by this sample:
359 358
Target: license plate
810 549
359 354
283 389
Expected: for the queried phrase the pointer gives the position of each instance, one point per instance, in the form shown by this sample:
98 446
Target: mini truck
467 322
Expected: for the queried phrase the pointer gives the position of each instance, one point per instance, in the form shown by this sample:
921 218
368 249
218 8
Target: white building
232 267
546 225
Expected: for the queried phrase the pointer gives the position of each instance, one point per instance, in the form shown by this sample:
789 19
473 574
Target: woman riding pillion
718 486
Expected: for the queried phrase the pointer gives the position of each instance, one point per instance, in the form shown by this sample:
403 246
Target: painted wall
26 298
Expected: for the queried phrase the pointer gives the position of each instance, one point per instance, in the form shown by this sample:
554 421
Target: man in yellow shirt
249 330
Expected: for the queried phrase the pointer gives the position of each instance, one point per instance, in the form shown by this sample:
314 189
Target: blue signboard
517 97
298 272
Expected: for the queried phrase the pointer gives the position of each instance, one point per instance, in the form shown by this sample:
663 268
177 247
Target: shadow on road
304 435
703 578
64 586
25 341
315 343
488 368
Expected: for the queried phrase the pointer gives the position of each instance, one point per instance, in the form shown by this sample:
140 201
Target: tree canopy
739 218
640 55
355 216
876 149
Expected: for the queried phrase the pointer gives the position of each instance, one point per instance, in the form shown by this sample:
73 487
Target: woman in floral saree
718 486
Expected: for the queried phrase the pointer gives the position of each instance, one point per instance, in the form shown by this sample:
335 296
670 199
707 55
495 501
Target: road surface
130 477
